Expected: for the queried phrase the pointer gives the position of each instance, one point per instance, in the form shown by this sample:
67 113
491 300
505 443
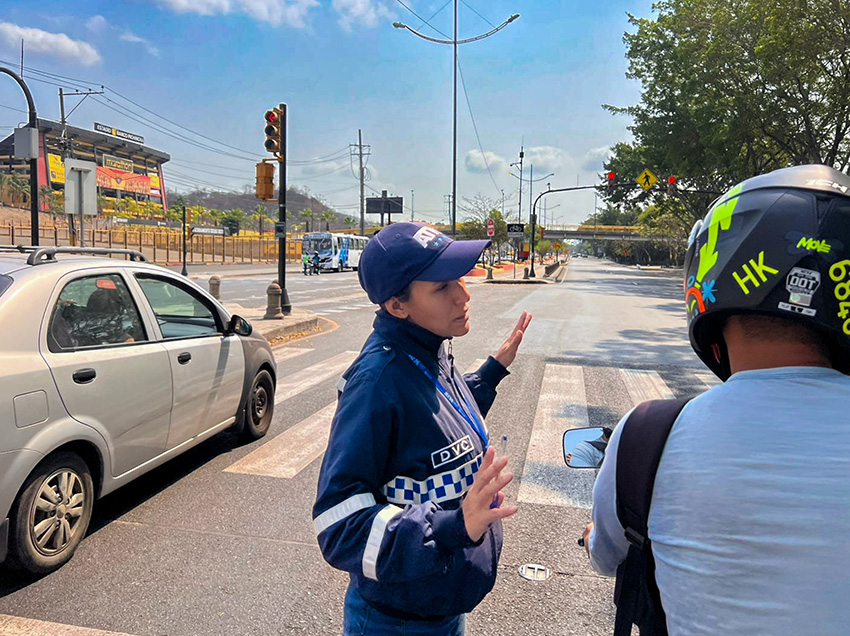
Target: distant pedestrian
316 262
305 261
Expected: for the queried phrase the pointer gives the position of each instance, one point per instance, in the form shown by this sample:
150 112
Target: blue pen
503 447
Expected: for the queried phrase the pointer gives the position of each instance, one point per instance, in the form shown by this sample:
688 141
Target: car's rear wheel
52 513
259 409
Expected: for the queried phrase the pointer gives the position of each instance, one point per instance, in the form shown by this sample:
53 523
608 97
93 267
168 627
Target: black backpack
641 443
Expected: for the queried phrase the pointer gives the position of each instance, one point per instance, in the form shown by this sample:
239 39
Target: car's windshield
5 283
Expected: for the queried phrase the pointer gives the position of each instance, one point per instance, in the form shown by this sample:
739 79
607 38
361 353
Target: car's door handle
84 376
184 357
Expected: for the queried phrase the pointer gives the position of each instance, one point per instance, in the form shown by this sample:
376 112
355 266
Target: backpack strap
641 444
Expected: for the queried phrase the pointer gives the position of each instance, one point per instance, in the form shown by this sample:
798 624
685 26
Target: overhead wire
475 128
478 14
422 19
83 84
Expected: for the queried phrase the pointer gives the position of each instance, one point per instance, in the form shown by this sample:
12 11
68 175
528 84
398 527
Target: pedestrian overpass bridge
593 233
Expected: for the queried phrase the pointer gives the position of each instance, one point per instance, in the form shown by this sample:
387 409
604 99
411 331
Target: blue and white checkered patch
445 486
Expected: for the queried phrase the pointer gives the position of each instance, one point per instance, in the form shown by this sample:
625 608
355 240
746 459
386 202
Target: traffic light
671 185
272 130
541 230
611 177
265 181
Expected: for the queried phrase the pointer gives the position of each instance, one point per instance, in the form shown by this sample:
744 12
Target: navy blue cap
404 252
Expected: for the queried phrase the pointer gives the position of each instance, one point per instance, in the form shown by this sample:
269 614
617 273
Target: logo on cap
429 237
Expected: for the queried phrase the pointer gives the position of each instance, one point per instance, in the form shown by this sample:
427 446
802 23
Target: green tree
308 216
731 90
328 217
350 221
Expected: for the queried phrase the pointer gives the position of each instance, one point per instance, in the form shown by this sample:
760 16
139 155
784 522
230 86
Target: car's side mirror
585 447
239 326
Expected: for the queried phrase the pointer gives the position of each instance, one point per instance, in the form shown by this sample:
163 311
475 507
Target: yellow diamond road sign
558 247
646 180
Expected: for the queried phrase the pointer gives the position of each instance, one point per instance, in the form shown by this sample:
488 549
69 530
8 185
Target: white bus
336 251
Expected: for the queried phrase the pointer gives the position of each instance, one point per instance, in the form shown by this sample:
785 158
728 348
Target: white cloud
594 158
546 159
364 12
97 24
275 12
475 162
332 167
54 44
129 36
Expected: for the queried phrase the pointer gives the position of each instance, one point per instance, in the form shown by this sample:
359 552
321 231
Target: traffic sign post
491 228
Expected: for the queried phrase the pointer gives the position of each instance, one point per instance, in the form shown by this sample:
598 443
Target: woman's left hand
507 352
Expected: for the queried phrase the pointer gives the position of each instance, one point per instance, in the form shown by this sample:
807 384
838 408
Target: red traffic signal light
273 131
611 177
671 185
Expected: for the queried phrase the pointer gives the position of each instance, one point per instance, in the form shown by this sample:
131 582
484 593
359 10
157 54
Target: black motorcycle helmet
776 245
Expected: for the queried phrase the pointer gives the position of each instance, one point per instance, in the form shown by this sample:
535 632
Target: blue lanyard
470 418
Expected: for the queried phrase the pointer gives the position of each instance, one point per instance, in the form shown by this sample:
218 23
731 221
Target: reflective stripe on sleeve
342 510
376 537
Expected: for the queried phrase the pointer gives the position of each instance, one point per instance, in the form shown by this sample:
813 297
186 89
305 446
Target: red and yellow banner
114 179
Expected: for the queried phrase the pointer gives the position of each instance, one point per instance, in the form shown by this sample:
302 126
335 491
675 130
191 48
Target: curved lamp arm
400 25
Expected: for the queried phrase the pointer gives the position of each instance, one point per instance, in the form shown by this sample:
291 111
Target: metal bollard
215 287
489 273
274 311
525 273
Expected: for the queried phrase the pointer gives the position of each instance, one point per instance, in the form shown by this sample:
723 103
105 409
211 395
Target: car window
180 312
94 311
5 281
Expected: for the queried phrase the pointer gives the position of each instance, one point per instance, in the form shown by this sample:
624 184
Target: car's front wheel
52 513
259 409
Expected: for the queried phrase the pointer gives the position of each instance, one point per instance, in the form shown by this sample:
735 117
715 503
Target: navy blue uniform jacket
399 460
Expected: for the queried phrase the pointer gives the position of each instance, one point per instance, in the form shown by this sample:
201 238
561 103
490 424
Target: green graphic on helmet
775 245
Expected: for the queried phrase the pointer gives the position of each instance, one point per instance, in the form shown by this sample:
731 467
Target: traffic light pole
285 305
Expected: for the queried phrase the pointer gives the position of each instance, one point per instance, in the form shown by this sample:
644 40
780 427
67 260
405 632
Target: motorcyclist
315 262
750 509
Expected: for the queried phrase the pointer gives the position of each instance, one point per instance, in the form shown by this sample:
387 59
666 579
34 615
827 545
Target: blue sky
215 66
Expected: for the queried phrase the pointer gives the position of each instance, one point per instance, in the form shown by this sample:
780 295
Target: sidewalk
300 321
204 272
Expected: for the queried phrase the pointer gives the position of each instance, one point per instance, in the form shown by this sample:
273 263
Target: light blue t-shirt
750 515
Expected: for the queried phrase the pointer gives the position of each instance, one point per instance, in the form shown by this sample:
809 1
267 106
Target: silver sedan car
108 368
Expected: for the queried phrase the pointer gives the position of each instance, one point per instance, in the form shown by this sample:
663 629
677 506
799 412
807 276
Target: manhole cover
534 572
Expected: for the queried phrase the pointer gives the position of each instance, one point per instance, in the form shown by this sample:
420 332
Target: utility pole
285 304
519 205
361 151
454 133
68 150
411 206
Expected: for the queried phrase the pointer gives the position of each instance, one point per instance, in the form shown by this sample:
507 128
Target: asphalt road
220 540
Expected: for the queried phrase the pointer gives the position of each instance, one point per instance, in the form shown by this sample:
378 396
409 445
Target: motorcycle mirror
585 447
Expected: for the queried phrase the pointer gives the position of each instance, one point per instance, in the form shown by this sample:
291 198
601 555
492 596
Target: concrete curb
299 321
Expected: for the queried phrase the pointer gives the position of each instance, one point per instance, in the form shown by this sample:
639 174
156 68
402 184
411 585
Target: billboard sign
121 134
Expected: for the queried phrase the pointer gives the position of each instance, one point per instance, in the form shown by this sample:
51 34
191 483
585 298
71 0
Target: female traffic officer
409 498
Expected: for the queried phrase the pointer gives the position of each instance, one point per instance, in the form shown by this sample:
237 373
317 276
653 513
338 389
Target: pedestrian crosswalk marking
292 385
474 366
17 626
290 452
645 385
545 478
285 353
708 379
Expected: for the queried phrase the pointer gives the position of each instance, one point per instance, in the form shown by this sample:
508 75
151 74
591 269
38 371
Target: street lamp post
455 42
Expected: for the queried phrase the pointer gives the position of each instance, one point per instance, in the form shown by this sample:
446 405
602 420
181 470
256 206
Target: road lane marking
290 452
645 385
307 378
708 379
546 479
285 353
17 626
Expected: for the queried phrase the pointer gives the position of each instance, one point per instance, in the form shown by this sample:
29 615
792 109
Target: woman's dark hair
403 296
